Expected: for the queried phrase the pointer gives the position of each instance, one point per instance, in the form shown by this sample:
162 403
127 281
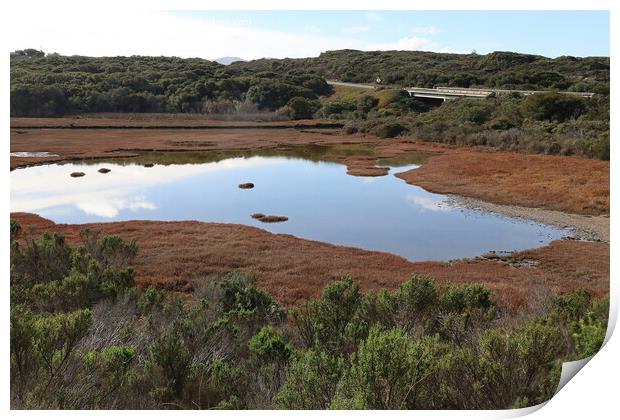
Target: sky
278 34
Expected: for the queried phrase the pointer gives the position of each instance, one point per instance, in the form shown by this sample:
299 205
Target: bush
330 323
465 297
240 294
473 111
386 373
337 108
386 130
302 108
589 334
552 106
311 380
269 347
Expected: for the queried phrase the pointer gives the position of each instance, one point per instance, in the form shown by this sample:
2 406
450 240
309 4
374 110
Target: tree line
52 85
500 69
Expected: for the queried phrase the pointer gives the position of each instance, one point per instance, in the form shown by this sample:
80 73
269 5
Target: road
356 85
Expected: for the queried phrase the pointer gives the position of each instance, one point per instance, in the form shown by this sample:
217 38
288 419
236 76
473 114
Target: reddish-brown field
162 121
180 255
70 144
570 184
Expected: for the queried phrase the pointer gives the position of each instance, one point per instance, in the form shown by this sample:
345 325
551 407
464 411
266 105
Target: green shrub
170 354
385 373
468 296
386 130
552 106
473 111
311 379
269 347
240 294
302 108
589 335
331 323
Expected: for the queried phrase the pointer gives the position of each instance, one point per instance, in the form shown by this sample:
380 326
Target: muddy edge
586 228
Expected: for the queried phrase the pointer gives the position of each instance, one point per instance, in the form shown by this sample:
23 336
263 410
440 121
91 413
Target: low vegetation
269 218
551 122
84 337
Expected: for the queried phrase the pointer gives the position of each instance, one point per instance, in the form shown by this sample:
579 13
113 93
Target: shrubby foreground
83 337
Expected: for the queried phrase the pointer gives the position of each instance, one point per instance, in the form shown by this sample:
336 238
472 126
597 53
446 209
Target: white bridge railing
453 93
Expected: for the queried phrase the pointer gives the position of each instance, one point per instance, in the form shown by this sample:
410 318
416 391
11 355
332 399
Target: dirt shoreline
585 228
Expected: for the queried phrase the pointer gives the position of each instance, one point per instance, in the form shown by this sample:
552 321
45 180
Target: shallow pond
320 200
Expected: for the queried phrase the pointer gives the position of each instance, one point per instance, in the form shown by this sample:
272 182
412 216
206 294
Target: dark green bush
552 106
302 108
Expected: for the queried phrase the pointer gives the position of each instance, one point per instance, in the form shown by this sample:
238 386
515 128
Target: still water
320 200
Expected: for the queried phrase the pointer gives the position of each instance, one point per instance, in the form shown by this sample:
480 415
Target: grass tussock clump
269 218
104 170
246 186
77 174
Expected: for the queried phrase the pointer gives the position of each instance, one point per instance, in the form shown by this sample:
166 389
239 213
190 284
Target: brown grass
570 184
76 144
152 120
178 255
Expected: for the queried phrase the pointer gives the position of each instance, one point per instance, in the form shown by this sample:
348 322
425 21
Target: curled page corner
569 370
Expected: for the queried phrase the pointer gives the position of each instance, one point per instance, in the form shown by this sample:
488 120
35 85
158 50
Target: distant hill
500 69
52 84
227 60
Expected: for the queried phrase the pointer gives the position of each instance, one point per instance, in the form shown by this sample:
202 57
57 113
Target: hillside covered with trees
550 122
52 85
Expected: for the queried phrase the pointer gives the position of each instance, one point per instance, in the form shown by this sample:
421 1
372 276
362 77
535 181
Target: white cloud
373 16
425 30
406 43
426 203
356 29
110 207
161 33
46 187
312 28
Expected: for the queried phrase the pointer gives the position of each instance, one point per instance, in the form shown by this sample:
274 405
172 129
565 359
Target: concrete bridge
441 94
448 93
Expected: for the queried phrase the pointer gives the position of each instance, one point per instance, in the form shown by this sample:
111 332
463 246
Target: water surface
321 201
